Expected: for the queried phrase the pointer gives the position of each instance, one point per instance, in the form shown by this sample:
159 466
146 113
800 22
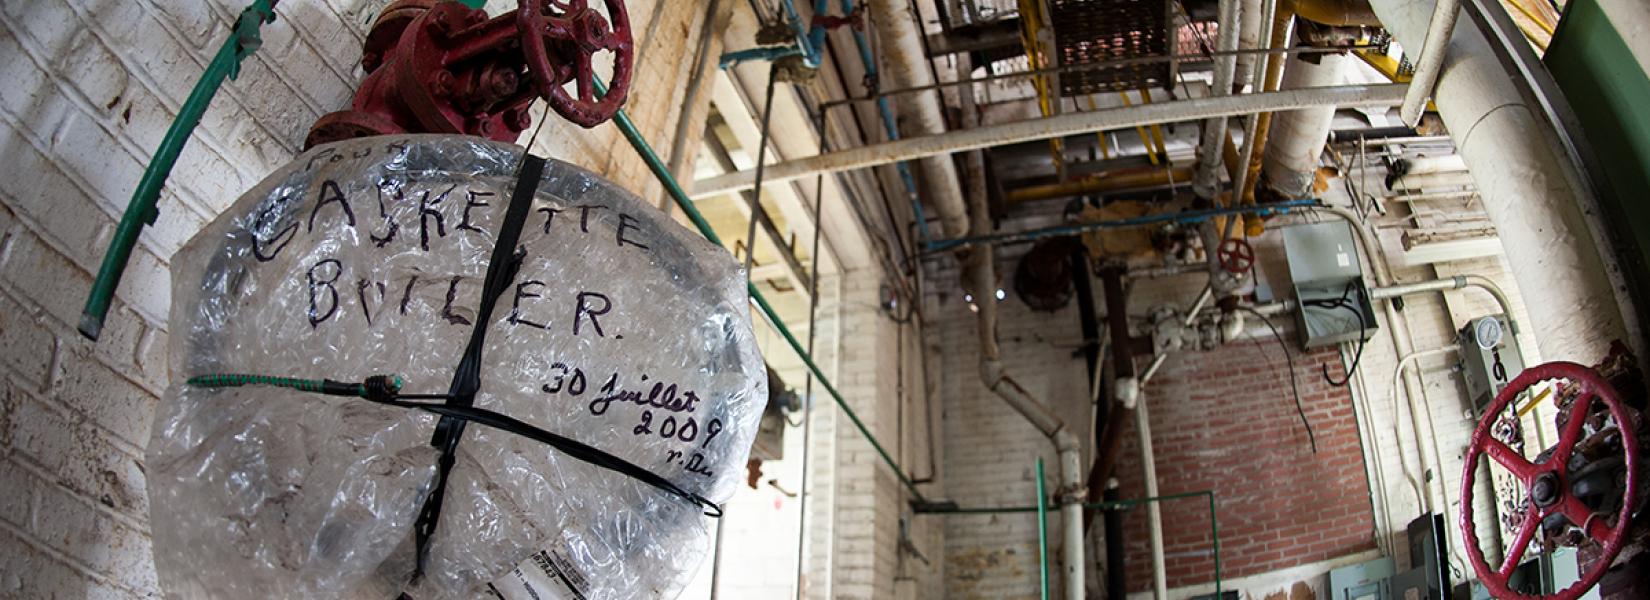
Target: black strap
501 271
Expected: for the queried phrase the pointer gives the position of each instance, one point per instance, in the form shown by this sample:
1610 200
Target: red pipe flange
1547 484
577 32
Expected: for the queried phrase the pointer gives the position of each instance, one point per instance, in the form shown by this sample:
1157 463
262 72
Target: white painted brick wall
90 88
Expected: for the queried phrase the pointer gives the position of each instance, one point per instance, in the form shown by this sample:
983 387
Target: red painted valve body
440 67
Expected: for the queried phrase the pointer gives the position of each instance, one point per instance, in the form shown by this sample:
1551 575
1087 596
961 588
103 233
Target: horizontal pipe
1190 216
1097 65
1100 184
1453 283
1116 505
1054 127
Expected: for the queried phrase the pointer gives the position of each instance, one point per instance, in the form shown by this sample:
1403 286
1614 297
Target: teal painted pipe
1044 506
672 187
243 41
1042 531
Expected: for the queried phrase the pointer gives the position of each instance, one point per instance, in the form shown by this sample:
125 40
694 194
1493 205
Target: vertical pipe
1291 161
1206 182
1154 512
1116 555
1430 61
1042 529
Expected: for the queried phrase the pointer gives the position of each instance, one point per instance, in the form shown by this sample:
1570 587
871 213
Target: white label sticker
546 575
1343 260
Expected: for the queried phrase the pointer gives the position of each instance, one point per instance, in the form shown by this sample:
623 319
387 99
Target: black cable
1357 310
378 390
1293 386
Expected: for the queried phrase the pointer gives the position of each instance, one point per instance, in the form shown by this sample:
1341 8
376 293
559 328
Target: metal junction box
1490 357
1323 262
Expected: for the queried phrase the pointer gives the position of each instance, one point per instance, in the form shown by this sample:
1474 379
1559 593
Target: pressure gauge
1487 332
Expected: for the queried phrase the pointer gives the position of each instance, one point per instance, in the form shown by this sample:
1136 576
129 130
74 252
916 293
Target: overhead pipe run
982 276
1351 96
1290 163
1206 184
907 65
1526 190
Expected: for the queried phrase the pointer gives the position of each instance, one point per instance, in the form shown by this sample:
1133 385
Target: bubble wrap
622 330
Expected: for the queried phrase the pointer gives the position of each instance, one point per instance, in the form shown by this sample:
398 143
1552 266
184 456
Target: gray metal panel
1321 254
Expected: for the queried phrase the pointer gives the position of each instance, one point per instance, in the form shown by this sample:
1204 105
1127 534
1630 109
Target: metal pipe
1206 183
1097 65
1431 60
1290 164
1453 283
1507 139
1190 216
901 42
621 119
1063 125
1282 29
1420 411
981 272
242 41
1042 531
1154 513
1099 184
1111 507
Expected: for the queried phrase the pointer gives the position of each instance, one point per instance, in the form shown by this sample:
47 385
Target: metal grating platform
1090 31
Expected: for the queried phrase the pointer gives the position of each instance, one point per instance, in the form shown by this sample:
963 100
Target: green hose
622 119
243 41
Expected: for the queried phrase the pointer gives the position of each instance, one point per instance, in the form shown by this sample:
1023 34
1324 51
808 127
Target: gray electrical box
1362 581
1329 284
1490 357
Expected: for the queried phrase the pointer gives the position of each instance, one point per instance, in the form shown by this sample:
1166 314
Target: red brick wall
1225 420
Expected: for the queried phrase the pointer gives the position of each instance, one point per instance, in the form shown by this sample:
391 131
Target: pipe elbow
991 373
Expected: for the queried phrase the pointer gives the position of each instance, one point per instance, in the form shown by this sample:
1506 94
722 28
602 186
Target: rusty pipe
1100 184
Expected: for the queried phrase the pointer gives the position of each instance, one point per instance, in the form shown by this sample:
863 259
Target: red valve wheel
1236 255
1547 482
578 31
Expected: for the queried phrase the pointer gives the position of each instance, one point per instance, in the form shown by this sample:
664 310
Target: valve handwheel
579 31
1236 255
1546 482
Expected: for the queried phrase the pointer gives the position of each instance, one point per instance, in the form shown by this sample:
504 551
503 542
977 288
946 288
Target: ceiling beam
794 270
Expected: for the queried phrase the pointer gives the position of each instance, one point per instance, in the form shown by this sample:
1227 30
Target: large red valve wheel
581 31
1236 255
1547 482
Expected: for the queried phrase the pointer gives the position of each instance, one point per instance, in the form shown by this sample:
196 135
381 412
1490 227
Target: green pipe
242 42
1042 531
672 187
1044 506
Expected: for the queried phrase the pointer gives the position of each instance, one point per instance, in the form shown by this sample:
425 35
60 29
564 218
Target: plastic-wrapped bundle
621 330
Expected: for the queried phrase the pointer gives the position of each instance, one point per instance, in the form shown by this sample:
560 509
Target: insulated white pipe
1351 96
906 65
1154 513
1249 37
1206 181
1431 61
1537 213
1297 137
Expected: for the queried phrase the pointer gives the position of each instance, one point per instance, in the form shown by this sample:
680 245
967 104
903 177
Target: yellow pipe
1157 131
1145 138
1099 184
1031 20
1105 144
1334 13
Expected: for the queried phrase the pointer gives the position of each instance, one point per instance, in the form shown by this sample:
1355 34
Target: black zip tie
501 270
